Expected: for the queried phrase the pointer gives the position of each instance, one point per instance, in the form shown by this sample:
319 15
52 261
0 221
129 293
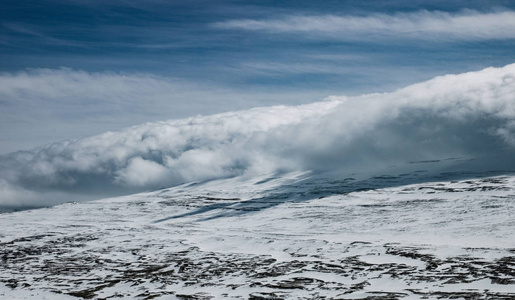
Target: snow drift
468 116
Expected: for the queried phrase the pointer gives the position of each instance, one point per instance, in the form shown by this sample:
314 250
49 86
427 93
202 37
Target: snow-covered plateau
283 236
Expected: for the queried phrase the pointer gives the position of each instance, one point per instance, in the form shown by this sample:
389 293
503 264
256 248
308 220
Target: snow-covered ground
288 236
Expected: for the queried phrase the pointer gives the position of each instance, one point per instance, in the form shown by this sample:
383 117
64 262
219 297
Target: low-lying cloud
470 115
465 25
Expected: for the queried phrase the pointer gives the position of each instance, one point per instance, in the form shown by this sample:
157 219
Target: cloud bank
465 25
469 115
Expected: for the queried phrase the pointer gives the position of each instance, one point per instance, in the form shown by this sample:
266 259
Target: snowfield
286 236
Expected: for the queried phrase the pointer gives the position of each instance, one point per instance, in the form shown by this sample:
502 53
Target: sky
103 98
71 69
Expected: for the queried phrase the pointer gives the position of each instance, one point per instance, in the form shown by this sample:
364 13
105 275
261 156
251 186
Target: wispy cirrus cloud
465 25
278 68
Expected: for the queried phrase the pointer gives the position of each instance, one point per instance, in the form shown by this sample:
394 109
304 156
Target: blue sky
70 69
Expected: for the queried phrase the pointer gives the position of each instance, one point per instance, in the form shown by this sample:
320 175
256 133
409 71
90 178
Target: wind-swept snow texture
465 121
294 236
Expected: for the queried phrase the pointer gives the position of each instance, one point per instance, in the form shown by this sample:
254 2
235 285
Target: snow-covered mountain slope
287 236
326 224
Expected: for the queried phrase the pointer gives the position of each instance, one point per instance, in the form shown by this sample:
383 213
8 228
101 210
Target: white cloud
465 115
142 172
465 25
